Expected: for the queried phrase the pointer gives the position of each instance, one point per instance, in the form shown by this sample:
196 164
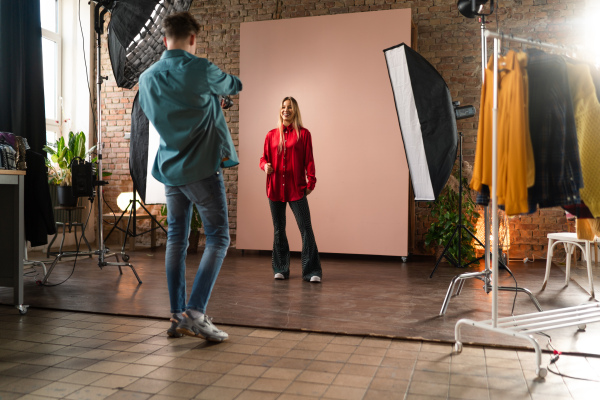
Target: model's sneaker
201 327
315 278
279 276
172 331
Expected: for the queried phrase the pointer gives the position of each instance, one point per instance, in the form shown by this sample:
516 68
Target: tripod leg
443 252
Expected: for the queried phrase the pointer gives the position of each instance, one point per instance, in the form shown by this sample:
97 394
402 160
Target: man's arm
221 83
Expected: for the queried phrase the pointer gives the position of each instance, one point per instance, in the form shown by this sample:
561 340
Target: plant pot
65 196
193 242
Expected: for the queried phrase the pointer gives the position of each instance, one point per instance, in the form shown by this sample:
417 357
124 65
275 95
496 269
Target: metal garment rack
521 326
457 283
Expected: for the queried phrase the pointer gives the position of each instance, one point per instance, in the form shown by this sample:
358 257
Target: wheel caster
458 347
404 259
581 327
22 309
541 372
125 257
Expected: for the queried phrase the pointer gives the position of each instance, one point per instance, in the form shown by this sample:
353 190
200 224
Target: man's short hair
180 25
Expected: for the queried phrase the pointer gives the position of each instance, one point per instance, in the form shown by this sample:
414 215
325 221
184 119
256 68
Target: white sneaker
201 327
279 276
315 279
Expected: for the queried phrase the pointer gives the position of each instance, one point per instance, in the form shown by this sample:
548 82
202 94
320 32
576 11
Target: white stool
569 240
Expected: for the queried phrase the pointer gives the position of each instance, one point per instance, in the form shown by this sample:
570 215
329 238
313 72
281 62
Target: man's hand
268 168
309 191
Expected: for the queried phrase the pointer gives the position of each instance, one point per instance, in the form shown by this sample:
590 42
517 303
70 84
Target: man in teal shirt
180 96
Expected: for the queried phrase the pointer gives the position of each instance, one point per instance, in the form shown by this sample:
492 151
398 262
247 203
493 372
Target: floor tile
147 385
269 385
307 389
344 393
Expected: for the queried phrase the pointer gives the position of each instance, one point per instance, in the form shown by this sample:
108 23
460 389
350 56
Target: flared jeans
311 263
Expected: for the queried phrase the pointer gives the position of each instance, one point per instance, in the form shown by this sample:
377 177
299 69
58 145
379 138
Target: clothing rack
521 326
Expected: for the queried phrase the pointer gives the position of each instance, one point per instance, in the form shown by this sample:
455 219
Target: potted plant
445 212
62 154
195 226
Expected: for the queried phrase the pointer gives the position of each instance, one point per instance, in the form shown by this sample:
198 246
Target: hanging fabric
587 120
516 168
553 132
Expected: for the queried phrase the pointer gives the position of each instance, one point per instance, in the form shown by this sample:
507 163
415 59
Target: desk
122 227
12 233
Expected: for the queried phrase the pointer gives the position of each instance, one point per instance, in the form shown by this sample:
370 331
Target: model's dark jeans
311 264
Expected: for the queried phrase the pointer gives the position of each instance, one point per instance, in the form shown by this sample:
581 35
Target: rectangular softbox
427 120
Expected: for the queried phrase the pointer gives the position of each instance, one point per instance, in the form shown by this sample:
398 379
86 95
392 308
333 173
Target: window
51 57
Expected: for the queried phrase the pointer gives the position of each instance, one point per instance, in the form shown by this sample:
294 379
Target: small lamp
124 199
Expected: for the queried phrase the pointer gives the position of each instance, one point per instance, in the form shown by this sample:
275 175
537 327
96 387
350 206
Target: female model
288 162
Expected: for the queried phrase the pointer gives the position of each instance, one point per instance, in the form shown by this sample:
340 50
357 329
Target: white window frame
55 124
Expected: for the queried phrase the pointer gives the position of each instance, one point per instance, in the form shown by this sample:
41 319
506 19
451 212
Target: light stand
458 231
457 283
102 250
132 208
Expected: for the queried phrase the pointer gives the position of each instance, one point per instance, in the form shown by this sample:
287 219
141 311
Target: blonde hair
297 123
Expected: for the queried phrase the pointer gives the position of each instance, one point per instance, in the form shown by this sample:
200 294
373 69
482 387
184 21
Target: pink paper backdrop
334 66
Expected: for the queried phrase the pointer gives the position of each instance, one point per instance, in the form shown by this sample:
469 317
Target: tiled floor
50 354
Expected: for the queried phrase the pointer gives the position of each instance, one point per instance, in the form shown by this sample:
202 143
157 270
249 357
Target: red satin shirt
292 167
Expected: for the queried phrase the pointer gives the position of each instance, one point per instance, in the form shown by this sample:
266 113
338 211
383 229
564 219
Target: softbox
138 148
427 120
142 152
135 36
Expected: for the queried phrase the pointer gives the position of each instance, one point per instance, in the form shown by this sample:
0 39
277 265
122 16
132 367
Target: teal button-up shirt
180 96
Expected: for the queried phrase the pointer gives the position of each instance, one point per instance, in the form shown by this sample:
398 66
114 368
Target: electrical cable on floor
554 359
77 244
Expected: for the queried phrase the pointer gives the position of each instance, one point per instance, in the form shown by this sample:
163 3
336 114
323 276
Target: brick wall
448 40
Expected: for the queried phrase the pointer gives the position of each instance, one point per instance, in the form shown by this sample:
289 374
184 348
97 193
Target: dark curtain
39 215
21 72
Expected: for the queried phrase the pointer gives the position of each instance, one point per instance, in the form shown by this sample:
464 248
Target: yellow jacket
516 167
587 120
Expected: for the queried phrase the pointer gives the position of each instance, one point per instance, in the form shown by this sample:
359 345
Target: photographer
182 96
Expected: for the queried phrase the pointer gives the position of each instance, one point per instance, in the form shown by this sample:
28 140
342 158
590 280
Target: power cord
554 359
77 244
86 70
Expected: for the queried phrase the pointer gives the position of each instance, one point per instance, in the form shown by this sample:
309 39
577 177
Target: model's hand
268 168
308 191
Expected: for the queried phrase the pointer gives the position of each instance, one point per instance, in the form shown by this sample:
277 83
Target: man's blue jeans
209 197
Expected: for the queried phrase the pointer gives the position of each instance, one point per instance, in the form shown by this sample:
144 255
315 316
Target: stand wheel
581 327
541 372
458 347
22 309
125 257
404 259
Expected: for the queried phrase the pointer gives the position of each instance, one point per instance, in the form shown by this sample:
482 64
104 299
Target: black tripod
458 230
132 209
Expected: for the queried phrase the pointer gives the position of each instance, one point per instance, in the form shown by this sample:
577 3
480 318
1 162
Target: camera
226 102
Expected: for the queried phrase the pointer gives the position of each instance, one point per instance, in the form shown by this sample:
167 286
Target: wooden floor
359 295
